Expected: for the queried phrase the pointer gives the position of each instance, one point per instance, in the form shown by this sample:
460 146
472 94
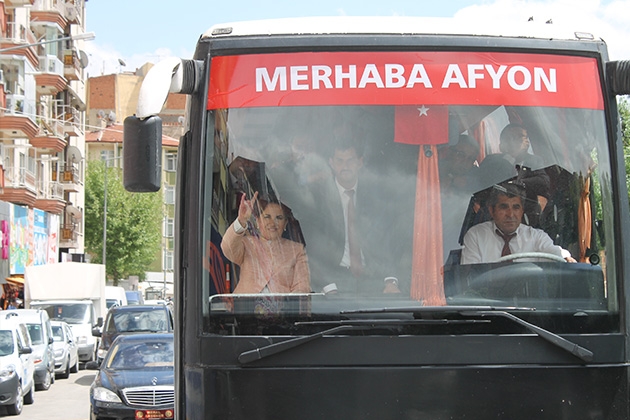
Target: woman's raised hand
245 209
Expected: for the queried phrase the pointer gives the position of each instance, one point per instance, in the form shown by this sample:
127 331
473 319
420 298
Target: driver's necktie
506 242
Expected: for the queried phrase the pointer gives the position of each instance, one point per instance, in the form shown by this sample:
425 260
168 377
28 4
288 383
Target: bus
281 315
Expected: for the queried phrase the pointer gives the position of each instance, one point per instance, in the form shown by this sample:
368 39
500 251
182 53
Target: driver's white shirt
483 245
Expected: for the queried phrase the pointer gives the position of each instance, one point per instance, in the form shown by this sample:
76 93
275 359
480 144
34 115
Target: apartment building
42 132
110 99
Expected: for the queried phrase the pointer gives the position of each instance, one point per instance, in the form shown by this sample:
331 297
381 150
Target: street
67 399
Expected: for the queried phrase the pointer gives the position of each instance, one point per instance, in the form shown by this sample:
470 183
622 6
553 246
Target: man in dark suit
515 161
343 241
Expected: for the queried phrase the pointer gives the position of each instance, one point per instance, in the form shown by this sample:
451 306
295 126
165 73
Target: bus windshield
353 181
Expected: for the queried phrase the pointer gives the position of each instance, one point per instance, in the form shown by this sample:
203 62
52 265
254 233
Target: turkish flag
420 124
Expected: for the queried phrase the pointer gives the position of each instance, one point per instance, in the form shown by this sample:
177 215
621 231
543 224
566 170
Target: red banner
404 78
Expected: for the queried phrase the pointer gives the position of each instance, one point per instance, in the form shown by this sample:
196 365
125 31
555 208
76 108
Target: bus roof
394 25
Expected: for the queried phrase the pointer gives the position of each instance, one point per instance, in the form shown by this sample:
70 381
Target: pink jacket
281 265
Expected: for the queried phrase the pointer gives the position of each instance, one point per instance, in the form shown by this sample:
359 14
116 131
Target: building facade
42 132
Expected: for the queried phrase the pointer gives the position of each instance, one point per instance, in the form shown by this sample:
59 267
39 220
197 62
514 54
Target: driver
504 234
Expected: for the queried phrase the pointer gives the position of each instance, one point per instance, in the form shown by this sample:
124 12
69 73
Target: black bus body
530 338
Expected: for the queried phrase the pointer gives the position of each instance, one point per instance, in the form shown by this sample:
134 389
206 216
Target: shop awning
15 280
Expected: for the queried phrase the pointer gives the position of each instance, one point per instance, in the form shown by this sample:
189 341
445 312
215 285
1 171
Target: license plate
155 414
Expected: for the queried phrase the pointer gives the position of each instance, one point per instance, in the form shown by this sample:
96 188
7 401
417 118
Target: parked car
40 332
65 349
17 368
135 380
115 296
132 320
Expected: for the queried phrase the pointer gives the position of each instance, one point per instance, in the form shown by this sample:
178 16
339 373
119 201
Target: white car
40 332
65 348
17 367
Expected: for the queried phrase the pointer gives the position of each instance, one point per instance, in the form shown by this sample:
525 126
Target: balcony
69 235
17 121
75 99
18 39
48 142
69 179
18 3
71 65
50 197
19 187
51 135
46 12
72 120
50 80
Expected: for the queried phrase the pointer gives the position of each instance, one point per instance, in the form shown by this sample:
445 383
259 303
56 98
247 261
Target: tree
133 223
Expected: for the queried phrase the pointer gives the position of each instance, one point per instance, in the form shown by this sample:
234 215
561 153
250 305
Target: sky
130 33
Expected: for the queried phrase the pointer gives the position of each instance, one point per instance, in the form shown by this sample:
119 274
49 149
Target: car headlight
103 394
7 371
101 353
59 352
82 339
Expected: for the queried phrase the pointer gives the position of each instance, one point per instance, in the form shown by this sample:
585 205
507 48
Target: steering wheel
520 255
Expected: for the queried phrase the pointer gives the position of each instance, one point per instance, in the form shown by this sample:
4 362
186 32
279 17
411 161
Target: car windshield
369 205
134 355
6 343
36 333
72 313
133 321
57 331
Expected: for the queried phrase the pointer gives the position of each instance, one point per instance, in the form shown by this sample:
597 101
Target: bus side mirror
142 154
618 73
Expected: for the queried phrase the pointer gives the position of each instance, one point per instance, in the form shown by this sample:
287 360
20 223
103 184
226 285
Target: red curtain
427 276
426 126
479 133
585 220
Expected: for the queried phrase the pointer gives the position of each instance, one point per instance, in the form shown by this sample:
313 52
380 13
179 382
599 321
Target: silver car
65 349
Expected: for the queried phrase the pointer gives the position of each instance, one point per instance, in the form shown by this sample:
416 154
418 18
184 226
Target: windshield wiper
340 325
266 351
569 346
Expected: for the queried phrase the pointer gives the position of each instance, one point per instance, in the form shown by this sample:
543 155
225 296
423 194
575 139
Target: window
57 333
6 342
168 260
169 226
169 194
171 162
31 164
35 331
108 157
